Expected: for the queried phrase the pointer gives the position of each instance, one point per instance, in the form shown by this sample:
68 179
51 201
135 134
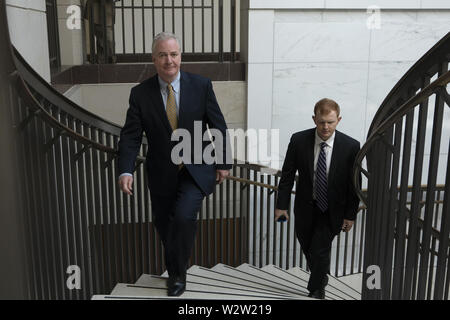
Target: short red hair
325 106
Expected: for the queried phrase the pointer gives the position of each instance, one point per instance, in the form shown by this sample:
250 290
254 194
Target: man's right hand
279 213
126 184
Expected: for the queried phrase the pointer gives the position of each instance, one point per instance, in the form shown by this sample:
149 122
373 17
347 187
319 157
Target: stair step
223 282
194 280
290 289
332 281
331 293
253 285
193 291
280 277
354 281
112 297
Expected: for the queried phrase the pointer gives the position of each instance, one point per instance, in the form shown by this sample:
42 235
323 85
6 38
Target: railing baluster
392 206
431 188
398 272
261 219
418 164
444 242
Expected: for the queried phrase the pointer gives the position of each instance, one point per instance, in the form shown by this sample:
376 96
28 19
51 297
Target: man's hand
221 175
279 213
126 184
347 225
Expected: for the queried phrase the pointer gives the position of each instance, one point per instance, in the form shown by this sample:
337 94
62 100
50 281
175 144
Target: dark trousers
175 219
317 248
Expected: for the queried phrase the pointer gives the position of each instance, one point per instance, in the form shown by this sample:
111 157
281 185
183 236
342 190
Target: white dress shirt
328 152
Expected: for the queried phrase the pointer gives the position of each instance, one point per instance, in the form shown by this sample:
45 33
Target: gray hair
162 36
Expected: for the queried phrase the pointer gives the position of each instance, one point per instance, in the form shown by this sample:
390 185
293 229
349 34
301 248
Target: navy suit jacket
343 201
147 114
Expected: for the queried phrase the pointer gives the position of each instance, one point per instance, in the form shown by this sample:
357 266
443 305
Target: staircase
223 282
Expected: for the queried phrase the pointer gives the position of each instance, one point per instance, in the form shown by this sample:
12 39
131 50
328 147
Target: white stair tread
245 282
192 292
330 293
261 287
353 280
294 290
112 297
332 281
194 280
207 285
297 285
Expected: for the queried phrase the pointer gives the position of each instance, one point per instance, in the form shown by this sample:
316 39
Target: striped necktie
171 108
321 180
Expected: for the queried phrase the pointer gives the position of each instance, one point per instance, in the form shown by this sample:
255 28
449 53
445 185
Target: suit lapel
155 95
310 154
334 157
184 92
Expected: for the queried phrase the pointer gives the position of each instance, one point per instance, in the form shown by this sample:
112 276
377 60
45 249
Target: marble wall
70 32
110 100
27 23
297 56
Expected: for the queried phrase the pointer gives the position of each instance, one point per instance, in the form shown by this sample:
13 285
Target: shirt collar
175 83
329 142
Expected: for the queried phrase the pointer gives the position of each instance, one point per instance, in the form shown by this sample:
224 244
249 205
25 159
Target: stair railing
408 232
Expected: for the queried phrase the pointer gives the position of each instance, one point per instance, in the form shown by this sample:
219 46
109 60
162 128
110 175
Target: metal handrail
426 65
387 214
377 132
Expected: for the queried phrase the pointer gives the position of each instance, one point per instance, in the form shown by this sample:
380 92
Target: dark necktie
321 180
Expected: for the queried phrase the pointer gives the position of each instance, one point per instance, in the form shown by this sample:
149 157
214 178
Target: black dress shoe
325 281
170 281
176 287
317 294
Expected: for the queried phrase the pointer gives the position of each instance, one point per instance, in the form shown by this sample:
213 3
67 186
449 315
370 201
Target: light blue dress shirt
164 93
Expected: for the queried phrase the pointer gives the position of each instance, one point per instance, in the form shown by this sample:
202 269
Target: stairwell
222 282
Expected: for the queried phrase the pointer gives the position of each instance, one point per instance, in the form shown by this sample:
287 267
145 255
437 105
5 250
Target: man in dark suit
171 102
325 201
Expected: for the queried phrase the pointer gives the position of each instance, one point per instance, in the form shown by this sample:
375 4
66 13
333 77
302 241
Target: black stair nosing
340 281
216 293
209 278
293 275
335 296
275 289
145 297
213 285
272 289
271 274
337 278
266 279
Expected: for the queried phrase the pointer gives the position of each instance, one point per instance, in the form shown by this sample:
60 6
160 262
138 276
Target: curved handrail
411 79
63 130
31 77
380 129
393 239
